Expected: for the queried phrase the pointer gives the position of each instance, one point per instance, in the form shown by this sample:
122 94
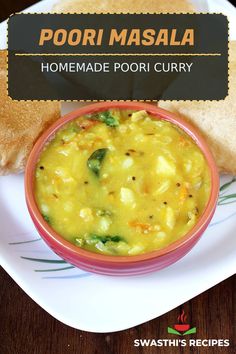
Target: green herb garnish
46 218
105 239
94 162
103 212
74 127
106 117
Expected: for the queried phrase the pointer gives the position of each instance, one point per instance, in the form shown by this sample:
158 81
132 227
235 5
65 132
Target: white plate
100 303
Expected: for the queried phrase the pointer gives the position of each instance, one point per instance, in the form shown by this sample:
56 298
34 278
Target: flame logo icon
182 328
182 318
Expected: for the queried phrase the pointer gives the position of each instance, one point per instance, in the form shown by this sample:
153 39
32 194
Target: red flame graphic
182 318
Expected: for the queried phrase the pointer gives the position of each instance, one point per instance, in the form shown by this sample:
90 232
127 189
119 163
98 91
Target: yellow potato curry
121 182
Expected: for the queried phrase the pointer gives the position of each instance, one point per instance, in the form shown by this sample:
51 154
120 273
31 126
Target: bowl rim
51 235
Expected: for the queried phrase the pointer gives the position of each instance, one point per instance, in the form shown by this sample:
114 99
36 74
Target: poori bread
215 119
20 124
125 6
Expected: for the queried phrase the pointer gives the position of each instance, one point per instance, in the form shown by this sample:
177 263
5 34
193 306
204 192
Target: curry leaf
95 161
105 239
46 218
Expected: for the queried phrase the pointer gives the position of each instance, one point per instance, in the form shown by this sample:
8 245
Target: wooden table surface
25 328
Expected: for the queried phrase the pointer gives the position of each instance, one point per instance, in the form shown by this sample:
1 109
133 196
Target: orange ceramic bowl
120 265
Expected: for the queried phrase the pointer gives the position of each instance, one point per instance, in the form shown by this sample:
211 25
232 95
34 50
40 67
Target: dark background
25 328
209 74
